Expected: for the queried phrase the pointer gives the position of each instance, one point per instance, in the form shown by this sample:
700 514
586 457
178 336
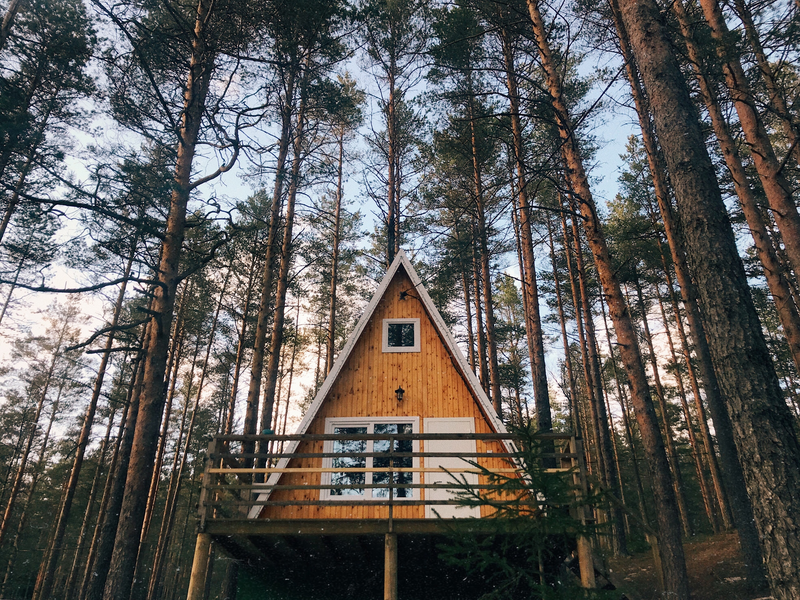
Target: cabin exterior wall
365 387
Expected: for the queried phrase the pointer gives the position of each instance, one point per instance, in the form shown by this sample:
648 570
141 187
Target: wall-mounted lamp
399 391
403 295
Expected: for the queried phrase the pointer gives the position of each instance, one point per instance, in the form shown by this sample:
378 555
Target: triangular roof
474 386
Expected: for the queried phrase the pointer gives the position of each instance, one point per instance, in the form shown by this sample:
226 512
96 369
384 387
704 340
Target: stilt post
197 581
390 567
585 560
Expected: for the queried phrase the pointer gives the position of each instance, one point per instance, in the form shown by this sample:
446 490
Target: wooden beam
197 581
265 527
390 567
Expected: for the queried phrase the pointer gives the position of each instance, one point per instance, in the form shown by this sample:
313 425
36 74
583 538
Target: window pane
380 462
349 462
400 335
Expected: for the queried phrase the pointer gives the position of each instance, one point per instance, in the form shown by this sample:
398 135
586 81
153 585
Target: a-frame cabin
400 343
365 477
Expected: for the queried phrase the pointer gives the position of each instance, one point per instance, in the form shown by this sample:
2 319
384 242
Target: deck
254 486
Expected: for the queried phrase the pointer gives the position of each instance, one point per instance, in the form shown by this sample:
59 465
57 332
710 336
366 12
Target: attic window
401 335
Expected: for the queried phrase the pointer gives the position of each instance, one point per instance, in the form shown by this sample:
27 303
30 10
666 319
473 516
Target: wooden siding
365 388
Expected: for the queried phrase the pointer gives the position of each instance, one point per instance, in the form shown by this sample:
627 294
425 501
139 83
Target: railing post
391 487
202 509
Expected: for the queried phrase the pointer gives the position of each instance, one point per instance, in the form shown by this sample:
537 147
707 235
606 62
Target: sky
612 126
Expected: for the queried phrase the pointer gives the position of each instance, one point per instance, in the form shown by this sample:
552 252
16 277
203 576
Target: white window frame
369 423
385 336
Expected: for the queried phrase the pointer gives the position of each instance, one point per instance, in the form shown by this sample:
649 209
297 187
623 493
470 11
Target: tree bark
767 444
151 405
71 581
172 495
483 369
732 471
573 392
533 320
587 372
777 188
673 563
734 478
773 271
605 450
713 466
625 420
337 223
486 276
100 552
264 309
286 260
237 368
669 436
48 567
696 450
777 98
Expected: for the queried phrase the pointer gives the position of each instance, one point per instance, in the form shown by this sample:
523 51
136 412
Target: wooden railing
237 484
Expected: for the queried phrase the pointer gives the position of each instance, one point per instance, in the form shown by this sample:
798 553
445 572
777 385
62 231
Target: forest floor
715 570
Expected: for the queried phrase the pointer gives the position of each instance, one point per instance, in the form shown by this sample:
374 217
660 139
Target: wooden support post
197 581
585 560
653 541
586 563
390 567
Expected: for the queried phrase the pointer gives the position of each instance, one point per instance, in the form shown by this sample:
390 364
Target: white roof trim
471 379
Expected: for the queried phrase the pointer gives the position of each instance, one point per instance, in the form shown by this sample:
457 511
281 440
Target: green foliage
530 550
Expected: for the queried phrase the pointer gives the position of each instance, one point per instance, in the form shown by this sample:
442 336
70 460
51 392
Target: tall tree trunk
151 404
767 444
264 309
773 271
169 508
696 450
673 562
669 436
174 363
282 430
587 372
734 477
468 308
625 420
533 320
777 188
605 443
23 460
285 261
483 369
100 552
713 466
47 570
337 223
392 200
486 276
777 98
237 368
573 391
72 576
